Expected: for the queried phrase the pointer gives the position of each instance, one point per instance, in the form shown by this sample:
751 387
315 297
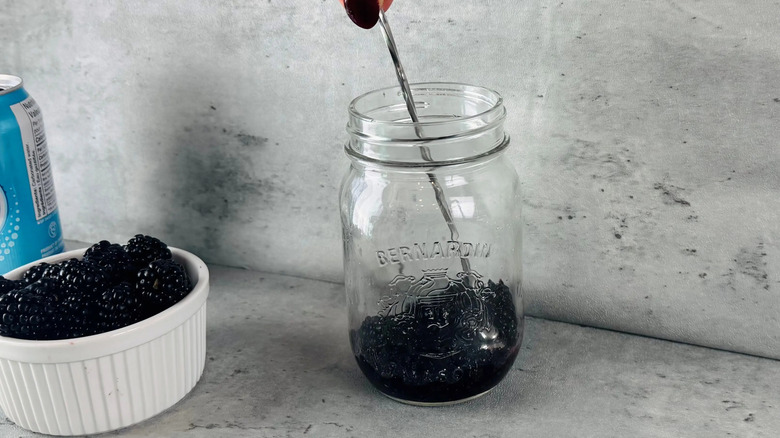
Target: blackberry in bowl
82 352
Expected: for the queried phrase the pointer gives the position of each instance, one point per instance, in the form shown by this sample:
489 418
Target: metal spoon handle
399 69
424 150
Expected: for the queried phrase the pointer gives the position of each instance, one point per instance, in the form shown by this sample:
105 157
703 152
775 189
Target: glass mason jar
432 243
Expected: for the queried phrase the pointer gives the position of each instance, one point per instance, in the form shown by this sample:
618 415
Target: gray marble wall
645 134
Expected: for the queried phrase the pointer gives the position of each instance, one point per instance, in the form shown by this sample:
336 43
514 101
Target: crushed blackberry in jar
445 344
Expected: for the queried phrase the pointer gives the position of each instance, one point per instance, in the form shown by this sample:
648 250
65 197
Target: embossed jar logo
450 312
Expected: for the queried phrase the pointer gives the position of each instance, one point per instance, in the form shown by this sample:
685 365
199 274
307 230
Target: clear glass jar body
432 243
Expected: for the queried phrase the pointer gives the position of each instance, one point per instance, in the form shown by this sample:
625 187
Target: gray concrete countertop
279 365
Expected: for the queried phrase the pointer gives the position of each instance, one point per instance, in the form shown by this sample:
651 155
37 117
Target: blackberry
35 273
162 284
80 311
146 249
31 312
7 285
120 306
112 258
78 277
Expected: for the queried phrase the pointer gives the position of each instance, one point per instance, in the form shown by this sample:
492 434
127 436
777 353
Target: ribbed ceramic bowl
111 380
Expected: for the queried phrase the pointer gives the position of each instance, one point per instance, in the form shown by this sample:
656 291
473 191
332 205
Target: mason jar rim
497 103
457 123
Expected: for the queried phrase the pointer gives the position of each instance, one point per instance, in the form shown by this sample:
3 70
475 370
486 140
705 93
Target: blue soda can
29 220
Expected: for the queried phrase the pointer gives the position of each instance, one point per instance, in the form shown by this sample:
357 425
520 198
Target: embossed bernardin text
429 251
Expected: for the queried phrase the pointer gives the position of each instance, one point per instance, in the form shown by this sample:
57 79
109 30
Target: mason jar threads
431 219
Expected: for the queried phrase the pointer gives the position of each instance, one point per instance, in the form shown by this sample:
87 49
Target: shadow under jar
432 243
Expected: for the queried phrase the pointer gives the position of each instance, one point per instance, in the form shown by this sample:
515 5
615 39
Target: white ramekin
111 380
